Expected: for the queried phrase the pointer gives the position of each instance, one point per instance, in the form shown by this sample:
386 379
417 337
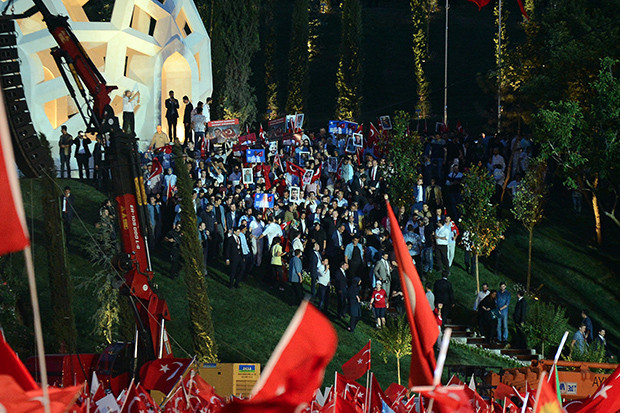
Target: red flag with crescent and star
163 374
358 364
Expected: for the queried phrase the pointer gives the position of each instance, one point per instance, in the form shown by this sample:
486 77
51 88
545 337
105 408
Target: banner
342 127
263 201
276 128
224 130
255 156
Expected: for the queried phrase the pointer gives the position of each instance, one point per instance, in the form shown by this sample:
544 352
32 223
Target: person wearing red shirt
379 304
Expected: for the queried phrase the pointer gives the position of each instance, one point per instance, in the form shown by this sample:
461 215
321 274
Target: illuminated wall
150 46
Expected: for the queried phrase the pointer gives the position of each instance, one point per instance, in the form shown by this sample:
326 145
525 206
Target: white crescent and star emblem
164 368
603 392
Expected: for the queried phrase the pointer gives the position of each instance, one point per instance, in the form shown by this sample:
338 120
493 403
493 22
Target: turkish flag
133 402
163 374
12 366
201 395
13 224
449 399
377 397
296 367
422 322
156 168
606 398
547 398
14 399
358 364
395 392
317 174
480 3
350 390
503 391
177 403
338 404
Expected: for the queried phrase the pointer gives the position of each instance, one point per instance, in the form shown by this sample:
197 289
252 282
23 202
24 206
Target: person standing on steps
519 319
129 105
187 121
172 115
82 154
445 295
503 301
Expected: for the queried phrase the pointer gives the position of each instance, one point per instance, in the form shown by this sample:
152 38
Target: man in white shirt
199 126
481 296
442 237
129 104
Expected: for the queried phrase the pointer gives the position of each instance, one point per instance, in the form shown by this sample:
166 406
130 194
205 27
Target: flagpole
368 369
441 359
499 67
369 394
445 70
38 331
335 390
167 398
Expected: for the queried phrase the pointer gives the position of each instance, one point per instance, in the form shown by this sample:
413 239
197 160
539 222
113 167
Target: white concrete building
151 46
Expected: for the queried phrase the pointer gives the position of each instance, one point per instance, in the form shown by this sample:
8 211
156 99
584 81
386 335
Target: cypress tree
269 47
201 323
298 58
349 75
420 15
63 320
235 40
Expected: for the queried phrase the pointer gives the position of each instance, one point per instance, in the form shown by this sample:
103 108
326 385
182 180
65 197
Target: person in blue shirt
587 321
295 278
503 301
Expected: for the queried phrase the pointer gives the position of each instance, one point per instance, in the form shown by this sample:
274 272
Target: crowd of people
330 232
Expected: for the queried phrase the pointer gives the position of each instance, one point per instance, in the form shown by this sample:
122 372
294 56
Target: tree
298 59
404 155
585 143
528 205
395 338
63 320
545 325
201 323
420 14
269 45
349 75
480 218
560 55
235 40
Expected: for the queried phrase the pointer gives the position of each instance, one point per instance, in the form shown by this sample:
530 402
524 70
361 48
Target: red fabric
503 391
12 366
379 298
134 402
177 403
358 365
423 326
339 405
201 395
459 127
547 399
13 399
373 136
607 396
395 392
156 168
350 391
163 374
13 224
377 397
480 3
317 174
297 365
449 399
522 9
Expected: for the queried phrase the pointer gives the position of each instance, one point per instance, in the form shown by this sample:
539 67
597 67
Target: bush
592 354
545 325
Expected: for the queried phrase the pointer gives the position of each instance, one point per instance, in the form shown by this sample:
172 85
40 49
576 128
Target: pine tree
420 14
63 320
269 46
201 323
349 75
234 42
298 59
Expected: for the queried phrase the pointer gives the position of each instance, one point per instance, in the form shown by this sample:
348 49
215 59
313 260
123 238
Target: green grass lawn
249 321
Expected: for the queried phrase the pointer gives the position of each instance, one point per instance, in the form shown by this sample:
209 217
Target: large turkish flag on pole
13 223
424 331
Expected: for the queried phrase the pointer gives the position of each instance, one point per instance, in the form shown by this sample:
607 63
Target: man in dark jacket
444 294
68 212
234 258
339 277
519 319
172 114
187 120
82 154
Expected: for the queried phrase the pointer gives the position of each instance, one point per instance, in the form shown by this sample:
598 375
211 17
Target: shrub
545 325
